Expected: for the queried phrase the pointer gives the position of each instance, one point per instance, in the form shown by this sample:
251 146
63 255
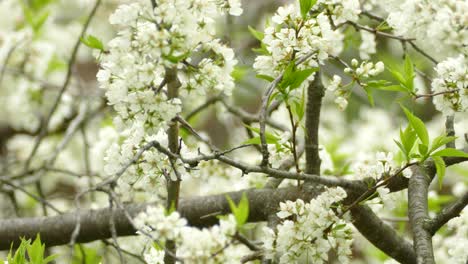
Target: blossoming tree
204 131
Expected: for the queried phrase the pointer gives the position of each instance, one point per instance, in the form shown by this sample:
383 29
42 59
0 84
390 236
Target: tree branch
382 235
451 211
173 185
418 215
315 93
95 224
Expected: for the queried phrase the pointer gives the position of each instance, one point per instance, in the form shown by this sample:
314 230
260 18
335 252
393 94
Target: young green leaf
418 126
408 138
265 77
440 141
257 34
306 5
36 250
92 42
450 152
287 79
370 97
239 73
422 149
397 75
262 50
394 88
241 211
409 73
440 169
298 77
86 255
400 146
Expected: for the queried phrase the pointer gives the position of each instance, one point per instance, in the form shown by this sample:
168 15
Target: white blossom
311 233
452 84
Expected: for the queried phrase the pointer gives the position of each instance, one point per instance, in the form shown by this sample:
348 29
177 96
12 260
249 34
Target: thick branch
399 183
315 93
451 211
382 235
199 211
418 215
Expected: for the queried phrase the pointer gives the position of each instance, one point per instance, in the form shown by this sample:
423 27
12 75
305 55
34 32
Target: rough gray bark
418 215
451 211
95 224
315 93
382 235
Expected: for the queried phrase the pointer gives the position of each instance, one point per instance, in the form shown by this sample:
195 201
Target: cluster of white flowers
438 25
309 231
151 44
32 66
341 10
367 46
290 36
452 248
193 245
358 72
382 165
334 86
366 69
452 82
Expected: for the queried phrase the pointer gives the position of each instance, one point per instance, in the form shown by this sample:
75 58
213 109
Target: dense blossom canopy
163 103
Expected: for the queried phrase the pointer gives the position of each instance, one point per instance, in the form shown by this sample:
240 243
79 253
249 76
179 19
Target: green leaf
450 152
298 107
56 64
34 17
440 169
397 75
298 77
409 73
92 42
239 73
418 126
257 34
306 5
369 92
408 138
377 84
176 59
265 77
286 80
394 88
440 141
422 149
20 254
86 255
383 26
270 138
402 148
262 50
241 211
37 5
39 21
36 250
